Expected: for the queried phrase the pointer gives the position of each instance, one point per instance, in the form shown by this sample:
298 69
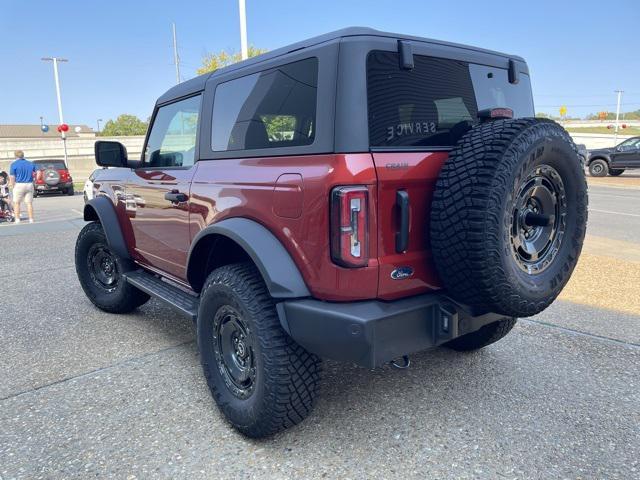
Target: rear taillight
349 229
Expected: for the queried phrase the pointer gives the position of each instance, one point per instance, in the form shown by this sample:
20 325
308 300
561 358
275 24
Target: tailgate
406 181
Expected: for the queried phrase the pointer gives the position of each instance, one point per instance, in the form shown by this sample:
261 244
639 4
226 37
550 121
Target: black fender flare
101 209
280 273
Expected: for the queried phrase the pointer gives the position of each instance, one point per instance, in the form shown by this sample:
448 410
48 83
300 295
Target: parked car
359 196
615 160
55 178
88 185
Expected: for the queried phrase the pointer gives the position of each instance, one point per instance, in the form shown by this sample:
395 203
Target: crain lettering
411 128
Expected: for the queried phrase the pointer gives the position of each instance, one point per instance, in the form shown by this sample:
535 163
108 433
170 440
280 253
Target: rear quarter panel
217 193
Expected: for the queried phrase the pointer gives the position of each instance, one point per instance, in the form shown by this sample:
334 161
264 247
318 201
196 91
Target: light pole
243 29
615 137
55 61
176 58
41 125
98 121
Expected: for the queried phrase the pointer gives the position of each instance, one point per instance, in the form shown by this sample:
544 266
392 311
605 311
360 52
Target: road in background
84 393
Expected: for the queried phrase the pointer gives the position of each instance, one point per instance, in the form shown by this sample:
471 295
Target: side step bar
176 298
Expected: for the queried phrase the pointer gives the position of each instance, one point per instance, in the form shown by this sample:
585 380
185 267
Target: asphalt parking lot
88 394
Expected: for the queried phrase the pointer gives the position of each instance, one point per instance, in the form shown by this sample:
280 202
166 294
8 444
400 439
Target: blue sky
120 53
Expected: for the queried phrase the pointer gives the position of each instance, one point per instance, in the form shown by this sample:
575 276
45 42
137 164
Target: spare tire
51 177
509 215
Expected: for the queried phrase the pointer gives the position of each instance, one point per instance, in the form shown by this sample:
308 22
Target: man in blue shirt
21 179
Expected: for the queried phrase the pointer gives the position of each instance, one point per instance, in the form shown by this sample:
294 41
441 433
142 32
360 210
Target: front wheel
615 172
598 168
262 381
100 272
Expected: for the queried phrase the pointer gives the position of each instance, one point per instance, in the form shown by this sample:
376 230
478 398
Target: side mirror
110 154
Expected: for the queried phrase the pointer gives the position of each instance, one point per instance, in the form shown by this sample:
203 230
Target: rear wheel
598 168
508 216
481 338
70 191
100 272
614 172
262 381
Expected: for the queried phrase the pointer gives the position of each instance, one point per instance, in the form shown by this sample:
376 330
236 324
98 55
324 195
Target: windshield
630 143
51 165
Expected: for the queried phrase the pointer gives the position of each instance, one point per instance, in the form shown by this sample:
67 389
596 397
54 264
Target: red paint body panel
217 193
290 197
415 172
160 228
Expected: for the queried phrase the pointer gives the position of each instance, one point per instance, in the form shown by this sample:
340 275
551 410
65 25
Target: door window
172 140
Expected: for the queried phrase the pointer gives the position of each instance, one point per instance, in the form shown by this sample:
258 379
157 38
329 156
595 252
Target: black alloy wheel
233 346
102 267
539 214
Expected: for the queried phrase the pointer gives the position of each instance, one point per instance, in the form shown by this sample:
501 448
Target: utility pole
98 121
55 61
176 59
615 137
243 29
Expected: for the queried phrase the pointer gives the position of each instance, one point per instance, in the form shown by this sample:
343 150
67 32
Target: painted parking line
615 213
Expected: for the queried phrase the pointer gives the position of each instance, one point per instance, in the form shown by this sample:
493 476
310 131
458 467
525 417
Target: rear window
274 108
437 102
51 165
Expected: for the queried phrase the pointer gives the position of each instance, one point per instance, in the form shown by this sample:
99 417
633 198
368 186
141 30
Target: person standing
21 180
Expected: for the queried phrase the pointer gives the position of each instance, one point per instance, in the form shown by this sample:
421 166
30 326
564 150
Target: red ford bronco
359 196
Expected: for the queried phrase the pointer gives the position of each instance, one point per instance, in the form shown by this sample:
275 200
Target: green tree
213 61
124 125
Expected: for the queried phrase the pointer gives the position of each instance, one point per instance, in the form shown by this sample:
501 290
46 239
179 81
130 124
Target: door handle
402 235
174 196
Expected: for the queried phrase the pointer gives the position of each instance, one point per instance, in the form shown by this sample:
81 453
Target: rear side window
431 105
270 109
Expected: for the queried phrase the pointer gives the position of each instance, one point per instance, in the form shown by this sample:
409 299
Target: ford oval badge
401 273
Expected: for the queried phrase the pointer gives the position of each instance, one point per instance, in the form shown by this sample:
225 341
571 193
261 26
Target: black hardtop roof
198 83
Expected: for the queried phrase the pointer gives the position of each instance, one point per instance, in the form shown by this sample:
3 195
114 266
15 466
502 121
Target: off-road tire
481 338
615 172
472 217
122 297
598 168
287 377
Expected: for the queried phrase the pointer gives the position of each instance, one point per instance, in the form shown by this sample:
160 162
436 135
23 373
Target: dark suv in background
615 160
55 178
358 196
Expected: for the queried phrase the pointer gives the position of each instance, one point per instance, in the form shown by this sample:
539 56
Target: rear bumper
372 333
53 188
